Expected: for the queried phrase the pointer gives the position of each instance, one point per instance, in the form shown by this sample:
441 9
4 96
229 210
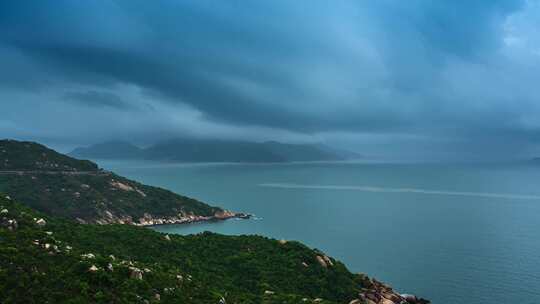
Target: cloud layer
447 79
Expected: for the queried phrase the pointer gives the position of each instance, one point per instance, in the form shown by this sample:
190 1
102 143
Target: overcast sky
412 79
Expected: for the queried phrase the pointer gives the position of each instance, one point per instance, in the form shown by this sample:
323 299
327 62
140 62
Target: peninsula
64 186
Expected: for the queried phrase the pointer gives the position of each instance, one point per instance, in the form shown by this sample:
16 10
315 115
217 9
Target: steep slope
83 192
49 260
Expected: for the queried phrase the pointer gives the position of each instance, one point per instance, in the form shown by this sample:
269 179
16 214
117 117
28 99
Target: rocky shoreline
148 220
220 216
375 292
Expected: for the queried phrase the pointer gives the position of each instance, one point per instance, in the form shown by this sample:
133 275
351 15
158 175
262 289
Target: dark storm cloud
425 69
97 99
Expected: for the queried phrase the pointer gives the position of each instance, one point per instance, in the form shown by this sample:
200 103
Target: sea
453 233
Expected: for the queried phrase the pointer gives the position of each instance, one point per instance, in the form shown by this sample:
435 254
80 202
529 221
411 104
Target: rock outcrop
41 222
135 273
151 220
93 268
324 261
7 222
375 292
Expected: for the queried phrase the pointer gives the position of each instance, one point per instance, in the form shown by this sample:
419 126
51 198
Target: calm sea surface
459 233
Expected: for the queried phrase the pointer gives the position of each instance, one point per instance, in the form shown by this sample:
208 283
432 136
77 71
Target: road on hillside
31 172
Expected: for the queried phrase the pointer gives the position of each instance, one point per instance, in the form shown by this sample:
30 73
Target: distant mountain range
201 150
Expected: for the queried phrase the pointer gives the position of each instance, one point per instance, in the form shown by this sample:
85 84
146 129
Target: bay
452 233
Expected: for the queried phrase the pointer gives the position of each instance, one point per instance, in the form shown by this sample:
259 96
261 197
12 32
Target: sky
416 79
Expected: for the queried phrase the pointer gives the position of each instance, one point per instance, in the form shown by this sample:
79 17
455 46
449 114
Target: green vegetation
89 197
28 156
51 259
47 264
56 184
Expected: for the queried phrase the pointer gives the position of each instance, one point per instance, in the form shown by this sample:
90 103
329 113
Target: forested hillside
63 186
44 259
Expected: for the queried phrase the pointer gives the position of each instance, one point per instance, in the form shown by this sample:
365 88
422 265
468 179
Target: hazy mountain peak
215 150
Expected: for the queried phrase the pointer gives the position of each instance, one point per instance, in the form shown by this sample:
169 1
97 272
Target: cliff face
63 186
46 259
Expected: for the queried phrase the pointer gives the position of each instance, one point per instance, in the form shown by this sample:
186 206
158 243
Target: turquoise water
453 233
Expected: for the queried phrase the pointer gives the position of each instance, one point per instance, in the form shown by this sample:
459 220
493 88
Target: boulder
93 268
373 296
328 260
225 214
409 298
393 297
321 261
109 214
141 193
88 256
41 222
135 273
122 186
12 224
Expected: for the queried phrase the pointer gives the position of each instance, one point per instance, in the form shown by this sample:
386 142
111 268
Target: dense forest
45 259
